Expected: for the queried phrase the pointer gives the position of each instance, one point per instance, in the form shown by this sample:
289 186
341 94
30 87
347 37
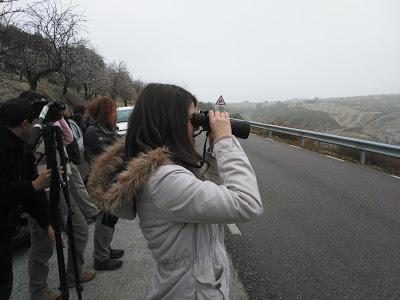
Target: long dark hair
160 118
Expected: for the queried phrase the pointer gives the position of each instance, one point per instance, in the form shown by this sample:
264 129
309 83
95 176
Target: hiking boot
107 265
85 277
116 253
49 294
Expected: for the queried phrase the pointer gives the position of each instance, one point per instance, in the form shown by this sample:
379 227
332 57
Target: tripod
53 143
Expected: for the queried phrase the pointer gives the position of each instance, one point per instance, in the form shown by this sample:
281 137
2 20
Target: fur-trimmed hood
113 182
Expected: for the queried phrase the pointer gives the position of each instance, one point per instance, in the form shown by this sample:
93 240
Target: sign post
220 102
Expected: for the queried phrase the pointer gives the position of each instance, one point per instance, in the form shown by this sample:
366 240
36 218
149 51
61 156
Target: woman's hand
52 235
220 124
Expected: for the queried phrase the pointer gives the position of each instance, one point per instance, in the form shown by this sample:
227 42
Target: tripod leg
54 204
71 239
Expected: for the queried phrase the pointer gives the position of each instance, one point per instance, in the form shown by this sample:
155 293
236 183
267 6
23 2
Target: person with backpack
77 187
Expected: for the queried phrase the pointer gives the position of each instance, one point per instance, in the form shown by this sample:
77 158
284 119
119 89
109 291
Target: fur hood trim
112 181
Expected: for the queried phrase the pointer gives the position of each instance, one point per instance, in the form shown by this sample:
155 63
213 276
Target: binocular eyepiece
240 128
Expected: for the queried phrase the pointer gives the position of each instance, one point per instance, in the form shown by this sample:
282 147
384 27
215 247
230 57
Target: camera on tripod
45 112
48 112
53 113
240 128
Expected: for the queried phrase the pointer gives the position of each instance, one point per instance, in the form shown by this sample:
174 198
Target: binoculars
240 128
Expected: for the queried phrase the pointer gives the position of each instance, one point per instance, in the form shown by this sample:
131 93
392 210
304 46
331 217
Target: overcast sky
253 50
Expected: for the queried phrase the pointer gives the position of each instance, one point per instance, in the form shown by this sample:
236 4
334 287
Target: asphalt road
330 229
130 282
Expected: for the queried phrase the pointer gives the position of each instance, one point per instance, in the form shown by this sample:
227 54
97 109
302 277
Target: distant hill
375 117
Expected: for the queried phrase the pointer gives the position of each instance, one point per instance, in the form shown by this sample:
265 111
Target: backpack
75 149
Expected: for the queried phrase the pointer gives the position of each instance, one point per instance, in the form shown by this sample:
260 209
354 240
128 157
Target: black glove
109 219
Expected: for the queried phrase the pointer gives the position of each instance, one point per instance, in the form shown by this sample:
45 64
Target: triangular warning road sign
220 101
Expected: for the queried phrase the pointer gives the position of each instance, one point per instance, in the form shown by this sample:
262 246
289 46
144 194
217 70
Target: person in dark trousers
99 133
75 152
41 246
21 188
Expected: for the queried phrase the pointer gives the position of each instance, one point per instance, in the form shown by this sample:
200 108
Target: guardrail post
270 134
362 158
302 142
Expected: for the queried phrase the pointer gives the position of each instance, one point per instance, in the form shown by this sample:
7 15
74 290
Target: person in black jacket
21 188
100 133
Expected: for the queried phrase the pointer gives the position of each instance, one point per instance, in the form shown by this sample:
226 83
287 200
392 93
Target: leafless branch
49 30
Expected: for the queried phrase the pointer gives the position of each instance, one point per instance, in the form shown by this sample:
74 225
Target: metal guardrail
362 145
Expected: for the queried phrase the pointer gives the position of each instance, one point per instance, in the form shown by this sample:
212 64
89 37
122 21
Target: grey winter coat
180 215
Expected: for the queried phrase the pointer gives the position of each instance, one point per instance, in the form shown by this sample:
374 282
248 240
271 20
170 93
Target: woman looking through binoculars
155 172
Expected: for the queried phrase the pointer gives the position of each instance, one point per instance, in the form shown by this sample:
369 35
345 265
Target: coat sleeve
22 193
14 193
181 197
95 141
38 208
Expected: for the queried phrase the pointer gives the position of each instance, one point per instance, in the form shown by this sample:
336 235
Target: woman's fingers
220 124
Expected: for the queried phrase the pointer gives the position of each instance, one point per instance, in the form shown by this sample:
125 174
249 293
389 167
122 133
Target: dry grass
11 86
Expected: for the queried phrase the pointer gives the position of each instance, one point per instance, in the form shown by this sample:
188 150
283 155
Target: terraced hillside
374 117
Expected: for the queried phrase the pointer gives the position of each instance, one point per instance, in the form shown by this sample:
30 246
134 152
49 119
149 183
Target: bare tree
50 30
88 71
121 83
8 9
115 70
138 85
8 12
127 90
72 68
103 82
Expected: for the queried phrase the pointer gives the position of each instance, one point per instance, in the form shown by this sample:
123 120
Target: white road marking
295 146
234 229
335 158
398 177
